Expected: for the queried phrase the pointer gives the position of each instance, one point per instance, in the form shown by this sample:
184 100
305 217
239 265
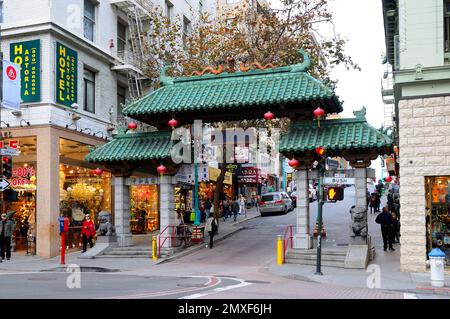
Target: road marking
212 281
409 296
220 289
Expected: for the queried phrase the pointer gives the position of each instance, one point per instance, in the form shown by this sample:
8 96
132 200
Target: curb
197 247
246 219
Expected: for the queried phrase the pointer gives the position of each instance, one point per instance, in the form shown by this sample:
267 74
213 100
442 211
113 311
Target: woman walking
88 232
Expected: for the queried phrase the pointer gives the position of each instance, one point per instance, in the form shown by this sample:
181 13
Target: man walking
211 228
387 228
235 206
6 230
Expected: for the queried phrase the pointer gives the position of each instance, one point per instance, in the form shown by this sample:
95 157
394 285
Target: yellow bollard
154 249
279 250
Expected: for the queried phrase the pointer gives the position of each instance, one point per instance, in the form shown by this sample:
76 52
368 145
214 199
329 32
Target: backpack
214 226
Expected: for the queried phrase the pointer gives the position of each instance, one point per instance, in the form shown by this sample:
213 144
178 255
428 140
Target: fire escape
387 92
130 61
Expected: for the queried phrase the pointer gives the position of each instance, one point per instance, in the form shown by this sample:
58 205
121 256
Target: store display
144 209
438 214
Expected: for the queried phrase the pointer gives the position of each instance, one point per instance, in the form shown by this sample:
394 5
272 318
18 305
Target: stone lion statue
105 227
359 221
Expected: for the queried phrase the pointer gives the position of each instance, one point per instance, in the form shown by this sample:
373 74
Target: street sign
339 180
332 163
9 152
4 184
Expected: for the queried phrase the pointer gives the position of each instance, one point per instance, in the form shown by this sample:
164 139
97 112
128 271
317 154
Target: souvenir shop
144 209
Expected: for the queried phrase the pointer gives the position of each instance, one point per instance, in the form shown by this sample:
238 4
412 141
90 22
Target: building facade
79 65
418 48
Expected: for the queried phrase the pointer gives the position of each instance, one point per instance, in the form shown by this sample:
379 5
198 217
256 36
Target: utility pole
321 168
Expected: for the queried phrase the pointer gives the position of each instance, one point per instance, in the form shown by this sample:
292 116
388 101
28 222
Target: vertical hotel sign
66 75
28 55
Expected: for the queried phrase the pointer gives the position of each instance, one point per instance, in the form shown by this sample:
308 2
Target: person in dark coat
373 202
387 228
390 200
6 231
235 207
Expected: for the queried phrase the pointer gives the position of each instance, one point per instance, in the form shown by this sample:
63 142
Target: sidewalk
23 263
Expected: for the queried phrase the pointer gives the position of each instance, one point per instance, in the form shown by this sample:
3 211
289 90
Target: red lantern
320 151
98 171
293 163
161 169
173 123
388 179
318 113
132 125
269 116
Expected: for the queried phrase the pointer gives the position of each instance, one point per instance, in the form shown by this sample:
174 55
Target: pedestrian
211 228
87 232
390 200
6 230
373 202
396 228
387 228
226 209
208 206
235 208
242 208
378 201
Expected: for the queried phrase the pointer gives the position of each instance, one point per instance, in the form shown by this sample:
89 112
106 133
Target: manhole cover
341 245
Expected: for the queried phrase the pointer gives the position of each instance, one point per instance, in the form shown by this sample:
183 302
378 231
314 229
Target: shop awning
133 147
336 135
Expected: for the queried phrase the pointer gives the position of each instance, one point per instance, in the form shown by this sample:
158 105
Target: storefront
250 182
144 209
209 188
437 193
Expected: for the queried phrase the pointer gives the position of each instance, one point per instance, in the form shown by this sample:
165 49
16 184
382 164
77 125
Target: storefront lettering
11 144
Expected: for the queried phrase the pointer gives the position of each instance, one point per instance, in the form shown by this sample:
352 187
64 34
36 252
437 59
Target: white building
80 62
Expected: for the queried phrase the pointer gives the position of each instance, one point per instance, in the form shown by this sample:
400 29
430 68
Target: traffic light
7 166
335 193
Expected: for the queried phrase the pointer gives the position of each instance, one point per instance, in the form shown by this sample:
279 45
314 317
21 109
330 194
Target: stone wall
424 133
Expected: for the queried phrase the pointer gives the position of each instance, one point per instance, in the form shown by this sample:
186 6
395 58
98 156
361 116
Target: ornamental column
360 206
122 212
302 239
167 207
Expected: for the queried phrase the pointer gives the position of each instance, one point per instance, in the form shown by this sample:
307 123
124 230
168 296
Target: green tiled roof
227 91
133 147
334 135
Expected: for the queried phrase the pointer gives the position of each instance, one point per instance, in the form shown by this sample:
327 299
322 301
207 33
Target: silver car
275 202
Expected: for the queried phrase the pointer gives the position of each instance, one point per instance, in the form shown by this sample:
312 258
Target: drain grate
341 245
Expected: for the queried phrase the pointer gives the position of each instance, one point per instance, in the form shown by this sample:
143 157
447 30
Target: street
239 267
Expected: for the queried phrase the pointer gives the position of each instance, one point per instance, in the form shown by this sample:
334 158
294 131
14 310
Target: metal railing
178 235
287 237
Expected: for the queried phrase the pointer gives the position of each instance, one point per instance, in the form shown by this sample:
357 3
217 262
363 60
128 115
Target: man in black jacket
387 228
6 231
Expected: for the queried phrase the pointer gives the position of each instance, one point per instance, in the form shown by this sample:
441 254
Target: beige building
418 48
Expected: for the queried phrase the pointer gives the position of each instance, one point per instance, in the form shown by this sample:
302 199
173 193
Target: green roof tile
335 135
133 147
231 90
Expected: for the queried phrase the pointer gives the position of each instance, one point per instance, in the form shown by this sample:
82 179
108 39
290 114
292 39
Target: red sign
11 73
249 175
12 144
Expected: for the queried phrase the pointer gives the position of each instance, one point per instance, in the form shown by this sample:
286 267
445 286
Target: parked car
275 202
312 196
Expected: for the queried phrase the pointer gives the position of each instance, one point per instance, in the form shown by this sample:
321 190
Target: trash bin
437 262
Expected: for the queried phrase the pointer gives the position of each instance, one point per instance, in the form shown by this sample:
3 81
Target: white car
275 202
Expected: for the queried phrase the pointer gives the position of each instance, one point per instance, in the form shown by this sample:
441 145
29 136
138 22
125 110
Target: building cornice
422 75
54 29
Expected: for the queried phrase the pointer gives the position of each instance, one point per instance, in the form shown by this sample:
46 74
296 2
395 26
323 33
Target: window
1 11
121 99
232 1
200 6
89 20
89 91
169 10
121 39
447 26
186 29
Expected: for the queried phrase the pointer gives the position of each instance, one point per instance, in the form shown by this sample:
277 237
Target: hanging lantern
173 123
388 179
320 151
98 171
269 116
318 114
161 169
293 163
132 126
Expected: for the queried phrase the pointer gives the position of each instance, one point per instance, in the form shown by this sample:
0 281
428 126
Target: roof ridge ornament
305 65
361 114
164 79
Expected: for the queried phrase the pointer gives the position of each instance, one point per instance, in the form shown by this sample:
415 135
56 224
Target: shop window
144 209
121 39
438 214
121 100
169 11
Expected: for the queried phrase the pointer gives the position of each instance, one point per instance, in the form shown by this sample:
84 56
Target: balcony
126 62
